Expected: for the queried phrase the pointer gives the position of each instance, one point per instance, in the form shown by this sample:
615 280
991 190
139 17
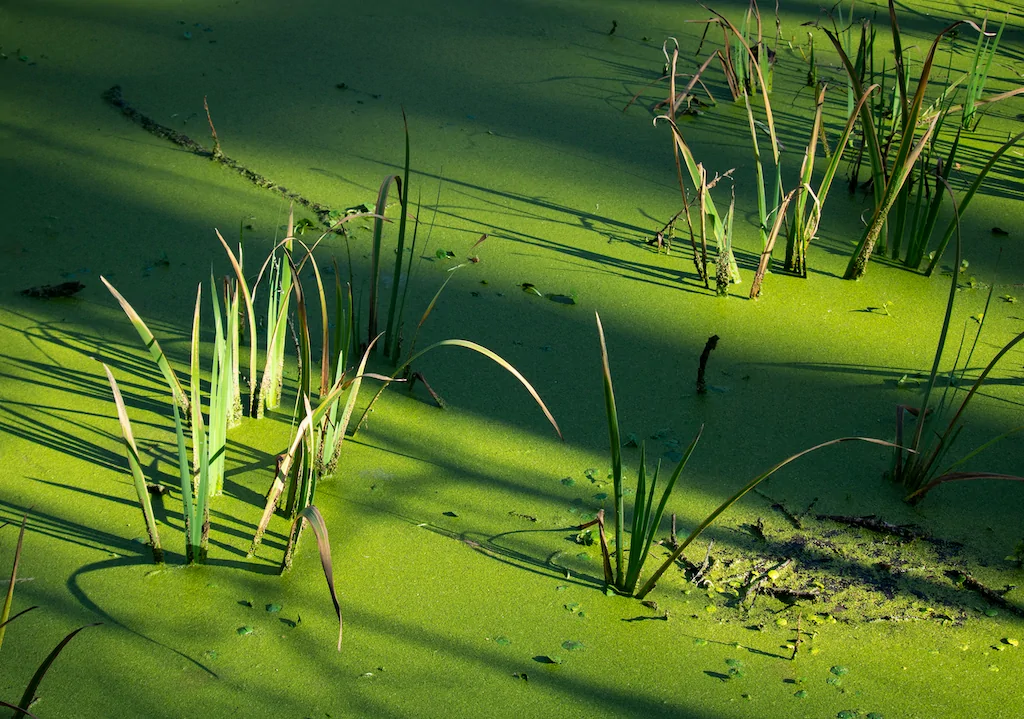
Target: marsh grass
917 467
28 698
677 552
203 477
647 512
621 575
135 466
914 130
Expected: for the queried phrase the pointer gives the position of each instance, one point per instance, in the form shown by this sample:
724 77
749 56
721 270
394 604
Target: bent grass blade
311 515
710 519
5 614
467 344
153 346
33 686
136 468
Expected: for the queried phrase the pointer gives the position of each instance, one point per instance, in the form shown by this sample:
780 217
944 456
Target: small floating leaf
800 694
848 714
875 715
545 659
572 645
568 481
245 603
839 670
272 608
991 612
244 631
700 642
502 641
1012 642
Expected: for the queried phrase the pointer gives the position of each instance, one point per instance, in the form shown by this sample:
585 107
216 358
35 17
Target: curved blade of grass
23 611
37 678
710 519
251 315
9 599
21 712
315 520
430 307
467 344
153 346
305 352
136 468
917 496
325 340
615 443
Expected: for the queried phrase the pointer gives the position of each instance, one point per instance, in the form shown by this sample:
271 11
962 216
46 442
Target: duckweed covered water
454 531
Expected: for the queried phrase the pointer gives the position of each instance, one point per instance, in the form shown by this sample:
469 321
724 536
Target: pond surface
465 586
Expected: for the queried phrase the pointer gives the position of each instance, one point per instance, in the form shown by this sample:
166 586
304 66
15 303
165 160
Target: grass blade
467 344
654 520
5 613
251 315
153 346
33 685
616 449
395 321
315 520
378 230
709 520
23 611
136 468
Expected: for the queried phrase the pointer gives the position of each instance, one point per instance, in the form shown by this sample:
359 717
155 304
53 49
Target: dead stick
710 345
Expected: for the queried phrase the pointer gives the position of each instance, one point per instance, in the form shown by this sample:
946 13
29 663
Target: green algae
422 603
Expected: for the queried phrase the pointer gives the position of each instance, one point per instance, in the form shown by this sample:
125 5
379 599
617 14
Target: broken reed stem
710 345
217 154
799 636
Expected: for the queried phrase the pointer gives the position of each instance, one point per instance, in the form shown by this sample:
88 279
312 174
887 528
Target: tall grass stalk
804 227
135 465
647 514
5 611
